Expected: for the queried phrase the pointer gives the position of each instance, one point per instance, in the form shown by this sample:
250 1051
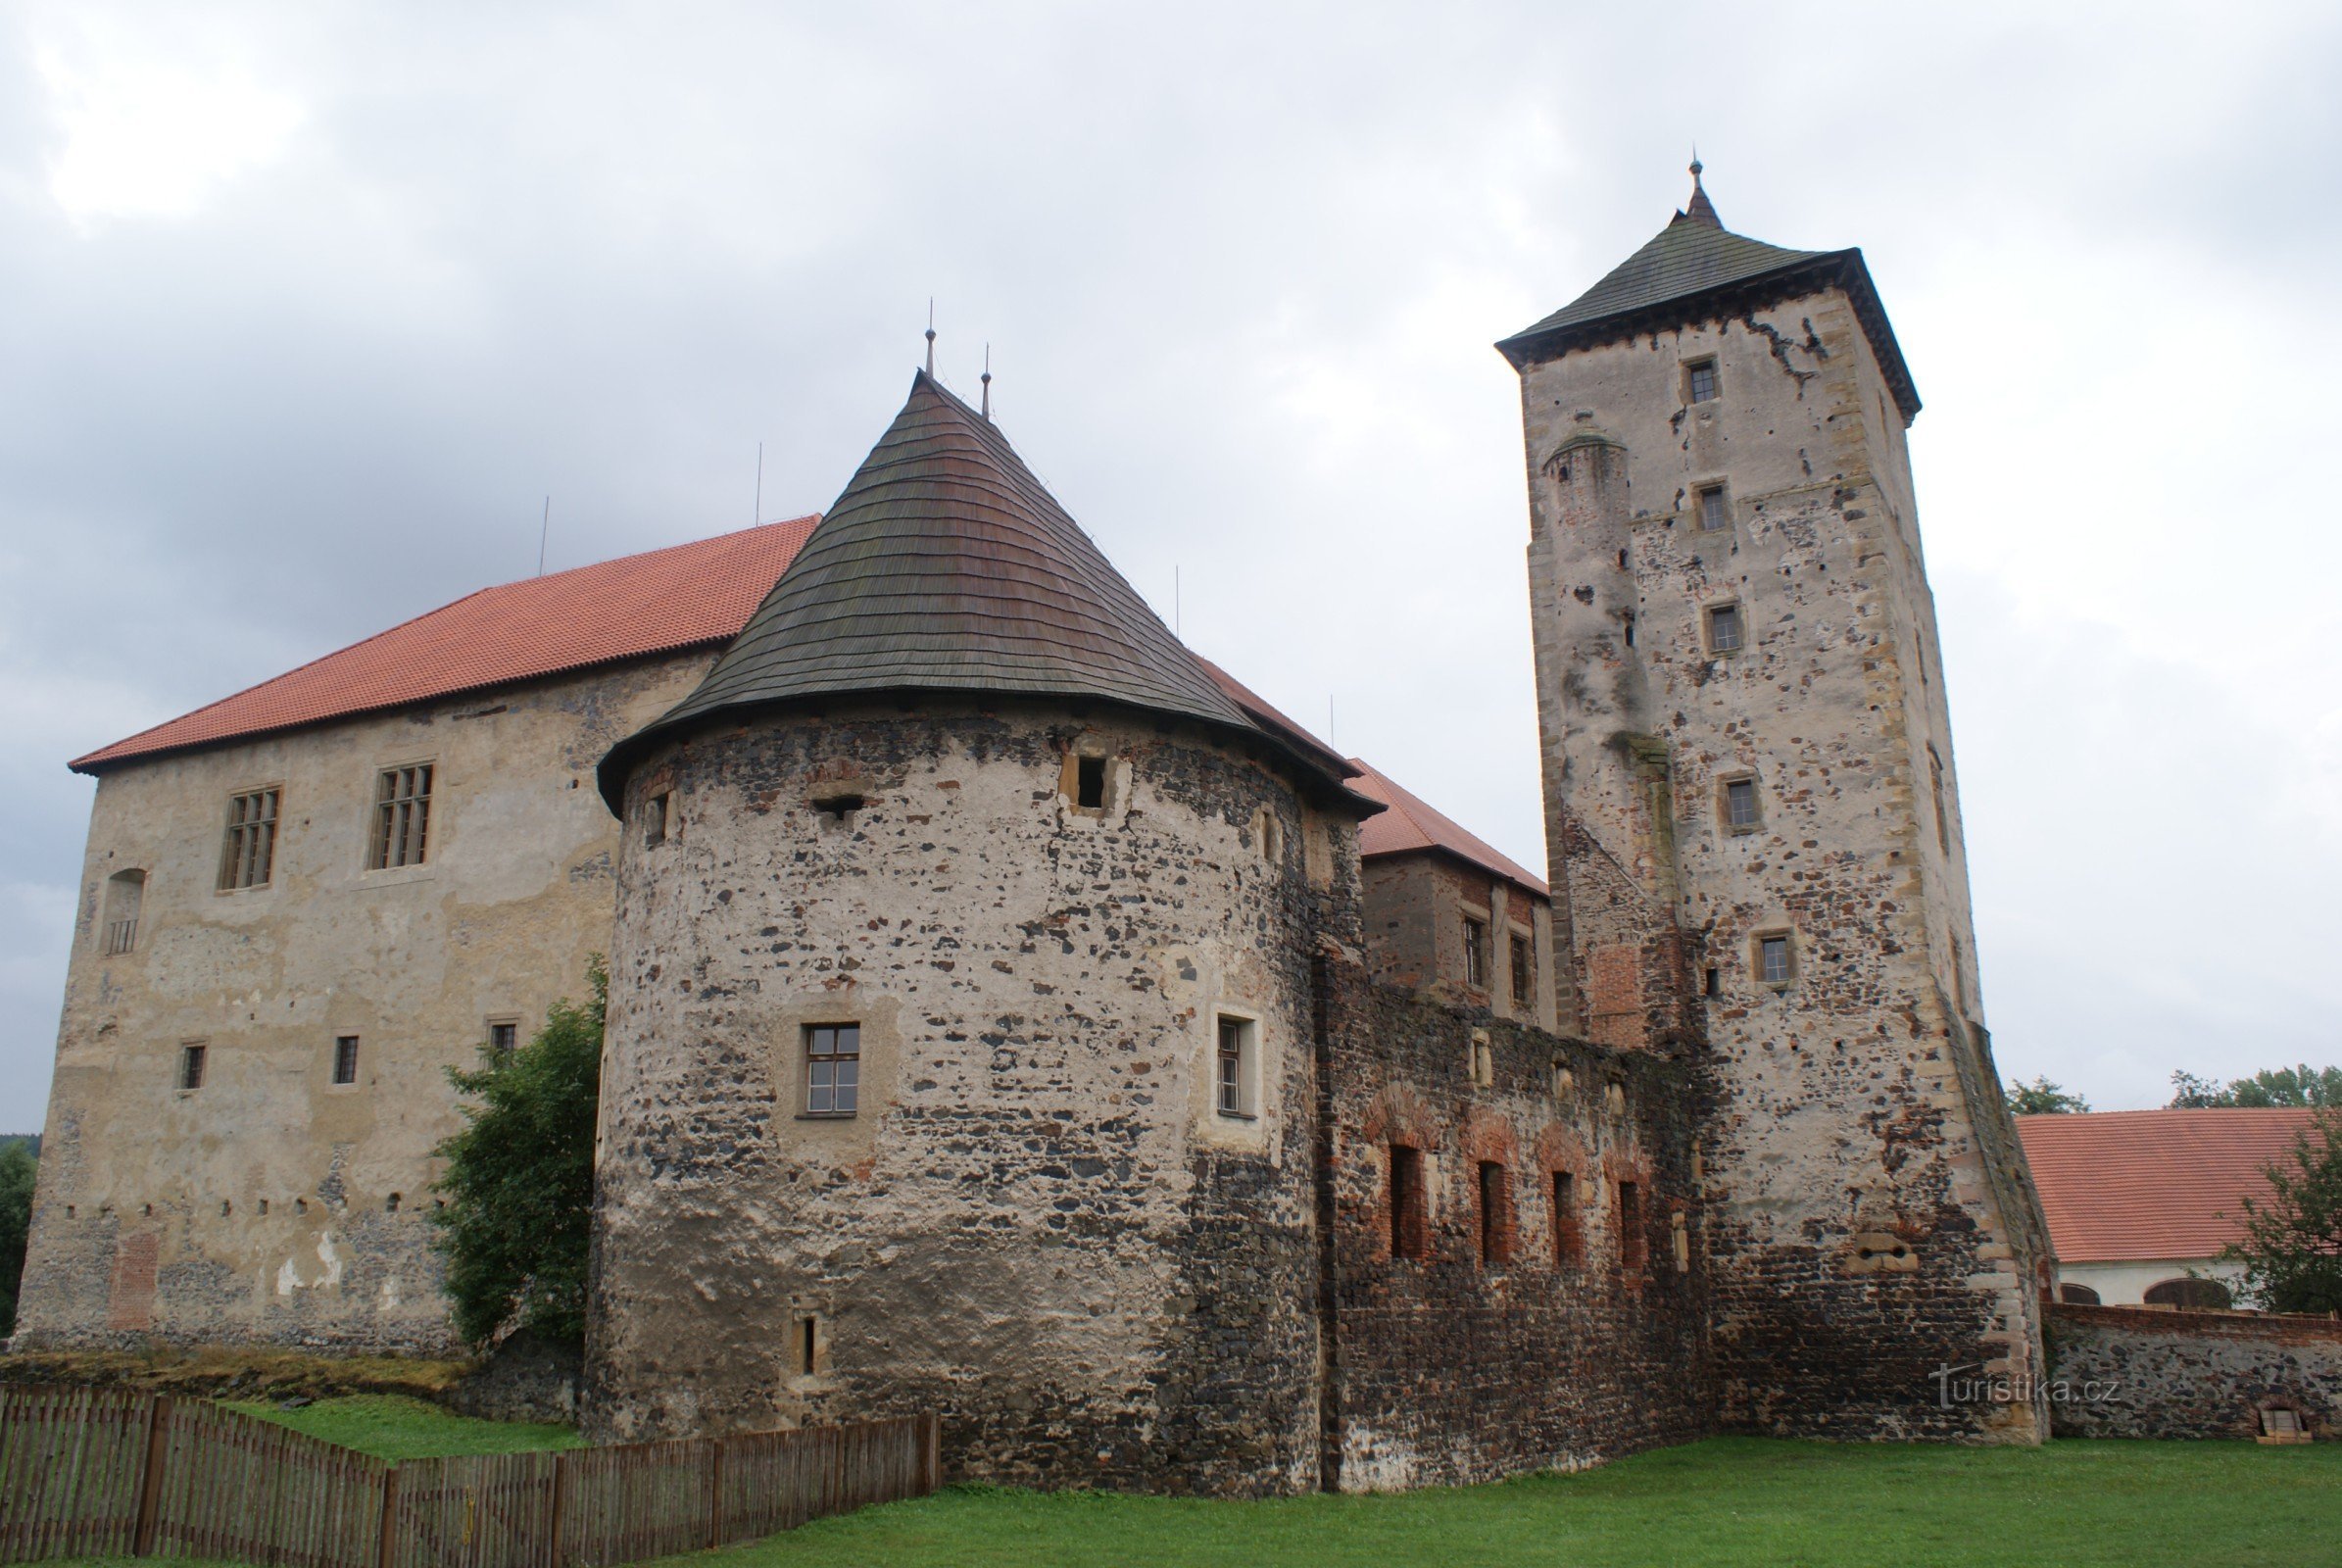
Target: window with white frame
1235 1068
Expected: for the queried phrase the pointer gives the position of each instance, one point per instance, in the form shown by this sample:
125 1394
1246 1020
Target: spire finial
1699 209
987 409
931 335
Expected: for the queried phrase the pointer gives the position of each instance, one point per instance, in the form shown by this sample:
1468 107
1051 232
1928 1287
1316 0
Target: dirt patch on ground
222 1372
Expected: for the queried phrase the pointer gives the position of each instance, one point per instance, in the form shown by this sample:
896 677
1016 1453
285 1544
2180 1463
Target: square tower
1753 820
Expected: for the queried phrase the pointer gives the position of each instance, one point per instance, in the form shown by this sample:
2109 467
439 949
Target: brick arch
1489 1136
1398 1115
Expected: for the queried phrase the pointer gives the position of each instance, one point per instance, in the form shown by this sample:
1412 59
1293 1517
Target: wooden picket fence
88 1472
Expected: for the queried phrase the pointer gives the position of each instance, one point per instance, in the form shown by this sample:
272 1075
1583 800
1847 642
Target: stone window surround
1690 367
435 824
1723 802
1707 626
1756 956
275 789
1476 916
1697 514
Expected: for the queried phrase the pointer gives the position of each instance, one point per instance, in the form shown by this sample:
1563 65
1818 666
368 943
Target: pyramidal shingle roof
944 565
1682 271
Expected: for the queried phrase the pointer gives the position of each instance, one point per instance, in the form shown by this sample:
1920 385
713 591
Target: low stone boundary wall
2144 1372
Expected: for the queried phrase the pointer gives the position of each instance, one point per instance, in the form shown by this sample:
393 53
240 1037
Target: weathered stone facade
1038 1221
272 1204
1731 590
2148 1372
1415 913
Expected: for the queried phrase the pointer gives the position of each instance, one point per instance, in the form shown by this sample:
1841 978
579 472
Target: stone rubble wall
2148 1372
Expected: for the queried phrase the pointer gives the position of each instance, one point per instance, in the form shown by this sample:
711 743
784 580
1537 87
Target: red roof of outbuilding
663 601
1412 824
2121 1185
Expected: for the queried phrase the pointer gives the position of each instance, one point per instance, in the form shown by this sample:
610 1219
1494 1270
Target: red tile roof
664 600
1411 824
2121 1185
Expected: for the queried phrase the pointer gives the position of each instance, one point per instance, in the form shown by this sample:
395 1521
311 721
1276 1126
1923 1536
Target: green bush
519 1189
16 1170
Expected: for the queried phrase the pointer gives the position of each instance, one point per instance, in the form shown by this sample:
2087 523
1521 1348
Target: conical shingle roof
1678 277
946 567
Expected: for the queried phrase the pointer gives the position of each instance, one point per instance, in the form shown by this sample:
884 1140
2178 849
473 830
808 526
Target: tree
2042 1098
2302 1085
519 1189
2292 1250
16 1170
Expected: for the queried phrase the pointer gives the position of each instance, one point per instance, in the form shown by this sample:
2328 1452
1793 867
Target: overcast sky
305 310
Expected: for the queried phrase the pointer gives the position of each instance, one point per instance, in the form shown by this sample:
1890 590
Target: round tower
959 1048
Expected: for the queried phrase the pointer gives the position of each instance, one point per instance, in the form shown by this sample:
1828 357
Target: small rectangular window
655 810
1567 1240
1712 514
504 1037
191 1065
1633 1247
345 1058
833 1068
1699 381
1724 628
808 1345
1495 1214
1524 969
1774 962
1232 1068
248 857
1475 951
1406 1201
1740 802
1090 783
401 817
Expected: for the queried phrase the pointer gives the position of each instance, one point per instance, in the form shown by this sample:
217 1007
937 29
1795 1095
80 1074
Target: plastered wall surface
1870 1214
150 1220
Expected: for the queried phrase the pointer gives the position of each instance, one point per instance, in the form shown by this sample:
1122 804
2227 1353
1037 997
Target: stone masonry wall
1870 1215
1414 907
1581 1338
2139 1372
273 1205
1038 1223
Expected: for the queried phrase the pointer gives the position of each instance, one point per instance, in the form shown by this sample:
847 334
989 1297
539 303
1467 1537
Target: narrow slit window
1943 821
192 1061
1627 619
125 892
1724 628
808 1344
1633 1247
401 817
345 1058
1495 1214
1406 1201
1524 958
1475 951
248 857
1714 515
1740 802
1699 381
1090 783
833 1068
1568 1239
1715 984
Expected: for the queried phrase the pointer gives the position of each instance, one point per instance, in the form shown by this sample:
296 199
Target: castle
1011 1015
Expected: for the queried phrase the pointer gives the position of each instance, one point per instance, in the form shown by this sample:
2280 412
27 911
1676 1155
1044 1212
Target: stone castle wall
1869 1216
1583 1338
1414 911
2144 1372
1037 1223
273 1205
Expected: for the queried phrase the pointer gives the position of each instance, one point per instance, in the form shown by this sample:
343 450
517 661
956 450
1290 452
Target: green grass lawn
1738 1501
393 1426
